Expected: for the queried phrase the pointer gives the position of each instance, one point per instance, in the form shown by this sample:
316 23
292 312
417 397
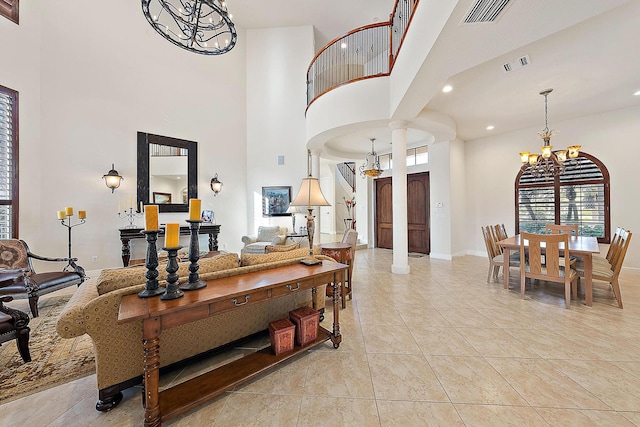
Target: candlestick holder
130 216
151 288
173 290
194 255
66 222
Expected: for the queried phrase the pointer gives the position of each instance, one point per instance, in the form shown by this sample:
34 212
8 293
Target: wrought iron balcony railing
365 52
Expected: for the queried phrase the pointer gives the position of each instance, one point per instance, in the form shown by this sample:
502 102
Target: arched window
580 196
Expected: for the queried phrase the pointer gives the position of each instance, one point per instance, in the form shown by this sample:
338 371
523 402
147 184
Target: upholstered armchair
14 325
17 276
267 235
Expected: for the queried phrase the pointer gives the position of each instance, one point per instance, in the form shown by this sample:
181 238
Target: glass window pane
385 161
536 209
411 157
422 156
583 205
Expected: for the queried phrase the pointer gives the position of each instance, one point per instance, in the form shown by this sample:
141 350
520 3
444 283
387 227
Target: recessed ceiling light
343 45
490 127
447 89
637 93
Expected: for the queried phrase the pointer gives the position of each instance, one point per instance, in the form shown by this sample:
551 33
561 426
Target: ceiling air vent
485 11
516 64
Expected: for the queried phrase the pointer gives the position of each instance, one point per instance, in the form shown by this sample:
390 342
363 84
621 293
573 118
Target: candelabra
151 288
66 222
172 291
130 215
194 255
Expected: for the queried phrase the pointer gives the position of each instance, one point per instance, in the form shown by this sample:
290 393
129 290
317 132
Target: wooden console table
126 234
221 295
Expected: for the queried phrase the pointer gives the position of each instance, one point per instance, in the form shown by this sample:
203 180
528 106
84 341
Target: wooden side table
341 252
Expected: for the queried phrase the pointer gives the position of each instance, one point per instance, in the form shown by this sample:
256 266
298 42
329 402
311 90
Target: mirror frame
144 139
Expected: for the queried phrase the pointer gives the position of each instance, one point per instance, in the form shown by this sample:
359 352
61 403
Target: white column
399 188
315 172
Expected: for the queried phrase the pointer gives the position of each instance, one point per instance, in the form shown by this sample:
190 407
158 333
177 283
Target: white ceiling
330 18
589 58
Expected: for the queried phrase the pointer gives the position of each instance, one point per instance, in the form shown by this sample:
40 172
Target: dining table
581 246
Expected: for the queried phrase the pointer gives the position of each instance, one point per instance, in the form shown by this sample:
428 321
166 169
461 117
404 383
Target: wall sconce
112 178
216 186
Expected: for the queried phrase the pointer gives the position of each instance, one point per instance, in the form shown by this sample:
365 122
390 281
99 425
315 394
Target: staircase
348 172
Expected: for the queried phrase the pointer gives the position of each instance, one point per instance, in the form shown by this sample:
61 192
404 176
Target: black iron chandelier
200 26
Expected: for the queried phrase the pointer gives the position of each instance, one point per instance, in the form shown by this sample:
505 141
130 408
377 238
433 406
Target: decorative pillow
208 265
254 259
118 278
281 248
268 234
112 279
13 254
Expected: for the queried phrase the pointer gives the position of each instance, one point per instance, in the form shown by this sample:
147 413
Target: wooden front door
419 235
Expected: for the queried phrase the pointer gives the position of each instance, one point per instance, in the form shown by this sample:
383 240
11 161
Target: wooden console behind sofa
220 295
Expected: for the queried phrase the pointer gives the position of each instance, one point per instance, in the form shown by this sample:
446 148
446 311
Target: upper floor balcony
363 53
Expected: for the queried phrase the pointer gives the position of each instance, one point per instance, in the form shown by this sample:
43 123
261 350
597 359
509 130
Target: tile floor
439 346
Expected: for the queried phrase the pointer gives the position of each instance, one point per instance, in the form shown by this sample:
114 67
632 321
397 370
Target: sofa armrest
247 240
279 240
71 322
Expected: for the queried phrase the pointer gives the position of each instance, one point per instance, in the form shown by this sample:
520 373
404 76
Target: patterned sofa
93 310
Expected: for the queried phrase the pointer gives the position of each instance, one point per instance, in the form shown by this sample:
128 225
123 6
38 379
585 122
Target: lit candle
151 217
171 236
61 215
68 211
194 209
82 214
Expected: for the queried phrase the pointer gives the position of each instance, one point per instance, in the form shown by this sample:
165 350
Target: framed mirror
167 172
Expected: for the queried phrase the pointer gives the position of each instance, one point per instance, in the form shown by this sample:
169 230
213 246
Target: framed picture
275 201
161 198
207 216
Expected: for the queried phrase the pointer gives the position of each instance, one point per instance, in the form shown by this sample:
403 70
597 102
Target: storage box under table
307 321
281 333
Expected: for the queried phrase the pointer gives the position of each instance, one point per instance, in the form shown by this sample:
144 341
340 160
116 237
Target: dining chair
610 273
570 229
494 253
501 231
561 229
532 265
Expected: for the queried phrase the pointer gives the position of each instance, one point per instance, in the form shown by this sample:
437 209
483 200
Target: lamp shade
310 194
293 210
112 178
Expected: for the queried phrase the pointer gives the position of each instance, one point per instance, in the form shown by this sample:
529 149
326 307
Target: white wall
458 198
20 70
277 61
492 165
88 84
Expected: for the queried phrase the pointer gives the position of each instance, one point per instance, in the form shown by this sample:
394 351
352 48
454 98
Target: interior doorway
418 218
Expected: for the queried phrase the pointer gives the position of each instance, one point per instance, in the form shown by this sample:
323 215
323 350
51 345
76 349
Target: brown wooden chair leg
33 305
616 290
22 342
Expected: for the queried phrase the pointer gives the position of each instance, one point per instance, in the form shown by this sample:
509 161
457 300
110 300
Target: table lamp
293 210
310 195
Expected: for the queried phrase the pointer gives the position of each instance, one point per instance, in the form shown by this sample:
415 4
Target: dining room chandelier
371 165
549 163
200 26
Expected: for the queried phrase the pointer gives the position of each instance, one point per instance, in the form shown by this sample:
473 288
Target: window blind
8 114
